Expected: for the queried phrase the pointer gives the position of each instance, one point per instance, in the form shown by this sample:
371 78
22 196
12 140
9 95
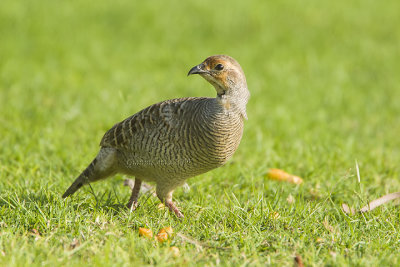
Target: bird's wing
158 117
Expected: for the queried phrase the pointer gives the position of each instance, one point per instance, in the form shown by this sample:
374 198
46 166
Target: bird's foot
132 205
172 207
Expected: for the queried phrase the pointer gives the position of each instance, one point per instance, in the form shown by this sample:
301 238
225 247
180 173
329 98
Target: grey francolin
171 141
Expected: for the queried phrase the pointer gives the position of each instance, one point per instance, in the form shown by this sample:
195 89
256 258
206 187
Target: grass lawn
325 84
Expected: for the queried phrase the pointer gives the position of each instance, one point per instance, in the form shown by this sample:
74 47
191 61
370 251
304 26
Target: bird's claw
172 207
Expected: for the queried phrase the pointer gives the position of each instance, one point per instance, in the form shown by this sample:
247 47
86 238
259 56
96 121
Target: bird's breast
218 135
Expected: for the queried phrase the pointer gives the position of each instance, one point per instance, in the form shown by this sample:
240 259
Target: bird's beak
197 69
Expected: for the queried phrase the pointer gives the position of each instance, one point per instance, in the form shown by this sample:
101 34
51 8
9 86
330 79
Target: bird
173 140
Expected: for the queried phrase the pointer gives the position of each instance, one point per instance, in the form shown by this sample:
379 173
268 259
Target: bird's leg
165 196
132 204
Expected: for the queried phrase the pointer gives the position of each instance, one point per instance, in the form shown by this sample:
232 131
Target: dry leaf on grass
373 204
280 175
347 209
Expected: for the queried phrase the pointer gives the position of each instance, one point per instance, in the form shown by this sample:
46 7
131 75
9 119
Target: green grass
325 85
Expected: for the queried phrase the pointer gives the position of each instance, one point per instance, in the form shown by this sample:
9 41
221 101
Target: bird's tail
84 178
101 167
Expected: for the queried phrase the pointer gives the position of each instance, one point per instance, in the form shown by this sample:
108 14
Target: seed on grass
162 237
280 175
164 234
145 232
167 230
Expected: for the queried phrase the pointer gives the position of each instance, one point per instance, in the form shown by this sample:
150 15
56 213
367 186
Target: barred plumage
176 139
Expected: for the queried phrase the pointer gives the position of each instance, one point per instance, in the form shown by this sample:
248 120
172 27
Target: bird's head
224 73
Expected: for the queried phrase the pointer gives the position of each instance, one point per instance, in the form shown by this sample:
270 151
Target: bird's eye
219 67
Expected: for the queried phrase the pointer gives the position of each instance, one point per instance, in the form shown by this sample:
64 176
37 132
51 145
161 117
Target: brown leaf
372 205
347 209
380 201
328 226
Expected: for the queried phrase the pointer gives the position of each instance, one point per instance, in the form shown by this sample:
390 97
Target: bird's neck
235 100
